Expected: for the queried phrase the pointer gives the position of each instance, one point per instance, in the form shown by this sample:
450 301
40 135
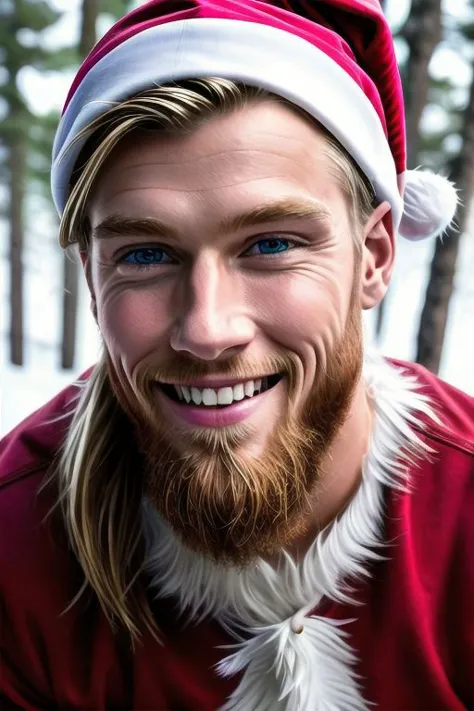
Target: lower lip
213 416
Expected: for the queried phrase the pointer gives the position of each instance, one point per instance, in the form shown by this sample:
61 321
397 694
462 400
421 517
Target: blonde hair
99 489
180 109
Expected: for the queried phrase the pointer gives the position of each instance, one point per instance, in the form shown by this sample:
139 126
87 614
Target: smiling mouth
219 397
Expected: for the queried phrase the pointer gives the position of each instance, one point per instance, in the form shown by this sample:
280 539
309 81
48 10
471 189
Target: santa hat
333 58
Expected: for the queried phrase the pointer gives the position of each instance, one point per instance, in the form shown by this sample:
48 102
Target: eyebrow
286 209
117 225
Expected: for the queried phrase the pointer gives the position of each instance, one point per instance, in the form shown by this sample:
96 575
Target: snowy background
25 389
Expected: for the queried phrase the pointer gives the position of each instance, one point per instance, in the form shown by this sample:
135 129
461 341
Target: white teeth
209 396
221 396
238 391
225 396
196 395
249 388
186 393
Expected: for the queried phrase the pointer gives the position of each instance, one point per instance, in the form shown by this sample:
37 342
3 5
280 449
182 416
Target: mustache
182 370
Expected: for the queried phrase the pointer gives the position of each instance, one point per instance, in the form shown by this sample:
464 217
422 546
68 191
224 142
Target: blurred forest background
46 332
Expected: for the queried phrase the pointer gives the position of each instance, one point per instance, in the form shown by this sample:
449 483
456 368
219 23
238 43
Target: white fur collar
284 670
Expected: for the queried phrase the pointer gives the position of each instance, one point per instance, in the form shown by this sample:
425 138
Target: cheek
304 308
133 322
305 312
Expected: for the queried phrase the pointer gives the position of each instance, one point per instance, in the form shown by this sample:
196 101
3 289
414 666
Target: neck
341 471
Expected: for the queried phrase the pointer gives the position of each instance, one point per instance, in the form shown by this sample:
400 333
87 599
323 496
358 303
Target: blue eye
146 256
272 245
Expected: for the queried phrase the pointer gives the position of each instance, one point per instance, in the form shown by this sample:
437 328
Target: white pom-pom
430 203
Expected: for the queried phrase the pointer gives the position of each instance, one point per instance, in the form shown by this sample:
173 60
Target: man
239 507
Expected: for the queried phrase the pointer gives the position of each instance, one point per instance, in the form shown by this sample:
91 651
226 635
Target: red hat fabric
333 58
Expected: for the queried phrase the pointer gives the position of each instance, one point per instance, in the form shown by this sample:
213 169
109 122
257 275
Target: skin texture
221 308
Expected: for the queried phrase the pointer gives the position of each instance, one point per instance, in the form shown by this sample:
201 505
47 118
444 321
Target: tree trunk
90 11
17 170
89 14
422 32
443 266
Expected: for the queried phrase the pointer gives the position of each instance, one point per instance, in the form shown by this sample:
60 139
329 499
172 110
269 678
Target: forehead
265 150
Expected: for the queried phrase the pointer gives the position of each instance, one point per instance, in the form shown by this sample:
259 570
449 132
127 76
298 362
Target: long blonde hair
99 488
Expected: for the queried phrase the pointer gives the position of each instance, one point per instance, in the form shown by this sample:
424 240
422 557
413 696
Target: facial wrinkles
218 496
315 279
322 283
151 305
314 265
129 312
214 300
236 150
265 503
206 176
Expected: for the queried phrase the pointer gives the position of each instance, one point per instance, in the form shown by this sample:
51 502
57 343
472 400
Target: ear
378 254
84 255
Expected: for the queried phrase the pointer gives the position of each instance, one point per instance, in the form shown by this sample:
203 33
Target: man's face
223 256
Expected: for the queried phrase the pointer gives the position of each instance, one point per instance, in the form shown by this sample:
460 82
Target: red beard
226 505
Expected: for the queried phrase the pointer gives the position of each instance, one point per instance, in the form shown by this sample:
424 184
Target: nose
212 321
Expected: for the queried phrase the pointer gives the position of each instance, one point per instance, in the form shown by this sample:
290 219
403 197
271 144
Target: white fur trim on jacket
287 668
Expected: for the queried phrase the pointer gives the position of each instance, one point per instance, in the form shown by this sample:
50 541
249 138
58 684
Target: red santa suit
380 614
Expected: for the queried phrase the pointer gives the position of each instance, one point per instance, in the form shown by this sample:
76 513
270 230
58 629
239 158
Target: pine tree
460 168
17 18
89 14
434 316
422 34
